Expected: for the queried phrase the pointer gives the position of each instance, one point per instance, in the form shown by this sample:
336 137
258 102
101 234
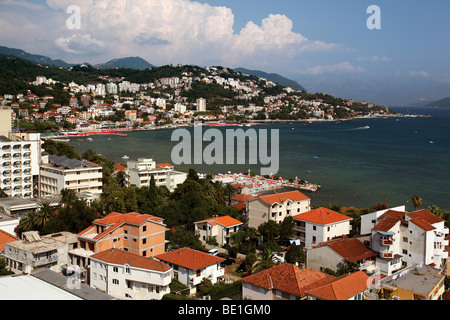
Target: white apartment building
190 266
404 239
139 173
19 164
276 207
320 225
59 172
126 275
201 105
35 252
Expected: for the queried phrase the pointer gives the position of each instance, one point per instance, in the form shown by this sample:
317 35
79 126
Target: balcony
385 242
386 254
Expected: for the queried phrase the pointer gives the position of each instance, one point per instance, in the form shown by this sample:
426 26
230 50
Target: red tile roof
288 278
322 216
189 258
350 250
225 221
283 197
241 197
5 238
121 257
426 216
342 288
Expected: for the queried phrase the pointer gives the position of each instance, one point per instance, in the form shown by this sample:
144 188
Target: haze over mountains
138 64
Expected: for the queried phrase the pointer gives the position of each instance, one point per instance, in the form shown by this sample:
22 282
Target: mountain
443 103
126 63
33 57
274 77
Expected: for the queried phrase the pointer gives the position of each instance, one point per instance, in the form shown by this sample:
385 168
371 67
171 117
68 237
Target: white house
190 266
139 173
220 228
276 207
403 239
320 225
127 275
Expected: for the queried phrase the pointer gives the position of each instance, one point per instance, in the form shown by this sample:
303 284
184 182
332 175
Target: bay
358 163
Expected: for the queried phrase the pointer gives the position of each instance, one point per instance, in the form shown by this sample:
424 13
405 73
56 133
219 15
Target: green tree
416 202
44 213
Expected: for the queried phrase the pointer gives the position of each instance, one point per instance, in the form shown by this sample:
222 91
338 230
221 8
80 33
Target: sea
357 163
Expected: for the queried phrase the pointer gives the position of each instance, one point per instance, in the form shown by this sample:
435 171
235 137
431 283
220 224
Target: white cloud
375 59
81 45
343 67
185 31
423 74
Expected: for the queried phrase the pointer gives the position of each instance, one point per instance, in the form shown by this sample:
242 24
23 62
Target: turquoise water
357 166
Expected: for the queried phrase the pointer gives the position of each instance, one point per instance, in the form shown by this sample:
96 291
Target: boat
125 157
89 139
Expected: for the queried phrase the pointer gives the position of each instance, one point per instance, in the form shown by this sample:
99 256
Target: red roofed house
404 239
276 207
5 238
141 234
190 266
126 275
283 282
351 286
220 228
332 254
319 225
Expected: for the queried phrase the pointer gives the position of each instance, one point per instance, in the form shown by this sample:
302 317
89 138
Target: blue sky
325 45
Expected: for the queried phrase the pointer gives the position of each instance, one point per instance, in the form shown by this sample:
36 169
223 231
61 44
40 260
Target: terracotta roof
164 165
341 288
426 216
288 278
351 250
392 214
386 224
122 257
225 221
240 206
283 197
115 220
322 216
424 225
189 258
5 238
241 197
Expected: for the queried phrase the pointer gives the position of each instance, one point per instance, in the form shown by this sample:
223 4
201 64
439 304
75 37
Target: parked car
214 252
241 268
227 262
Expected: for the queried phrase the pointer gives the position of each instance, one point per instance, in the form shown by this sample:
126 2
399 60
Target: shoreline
124 131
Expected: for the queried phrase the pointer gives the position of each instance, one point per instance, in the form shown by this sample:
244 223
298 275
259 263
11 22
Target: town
101 103
82 227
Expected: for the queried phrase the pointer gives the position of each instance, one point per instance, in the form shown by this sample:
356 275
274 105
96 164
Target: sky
327 46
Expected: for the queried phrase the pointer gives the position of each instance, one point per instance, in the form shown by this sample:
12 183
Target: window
314 239
144 241
115 282
405 239
127 269
115 269
314 228
144 228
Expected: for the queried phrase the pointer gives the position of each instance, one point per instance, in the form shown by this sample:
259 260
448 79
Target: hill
443 103
274 77
33 57
126 63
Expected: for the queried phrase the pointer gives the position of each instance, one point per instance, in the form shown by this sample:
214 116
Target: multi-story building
59 172
190 266
35 252
139 173
319 225
126 275
404 239
276 207
141 234
201 105
19 164
219 228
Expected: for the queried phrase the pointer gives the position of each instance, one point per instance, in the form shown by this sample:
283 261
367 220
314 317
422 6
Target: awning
387 233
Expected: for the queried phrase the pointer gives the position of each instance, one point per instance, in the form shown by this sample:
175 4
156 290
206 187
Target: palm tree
438 212
230 191
45 212
416 201
26 223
